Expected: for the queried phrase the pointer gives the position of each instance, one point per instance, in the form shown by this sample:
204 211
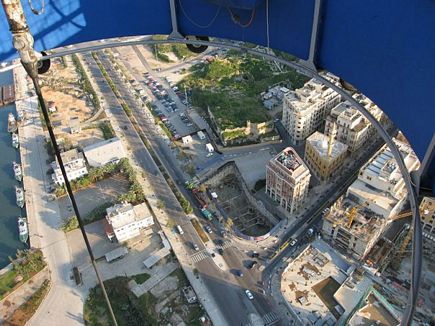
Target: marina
9 212
12 123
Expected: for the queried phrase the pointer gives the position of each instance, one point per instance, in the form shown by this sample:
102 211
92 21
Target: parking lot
200 156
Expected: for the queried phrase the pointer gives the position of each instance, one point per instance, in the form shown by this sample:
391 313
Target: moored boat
15 140
12 123
19 193
23 229
17 171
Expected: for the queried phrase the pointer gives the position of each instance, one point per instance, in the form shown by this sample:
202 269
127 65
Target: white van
180 230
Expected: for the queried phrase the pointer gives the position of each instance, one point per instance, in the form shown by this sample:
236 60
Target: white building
75 167
287 179
380 181
352 128
106 151
124 221
305 108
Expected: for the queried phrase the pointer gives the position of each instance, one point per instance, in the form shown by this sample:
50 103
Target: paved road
231 299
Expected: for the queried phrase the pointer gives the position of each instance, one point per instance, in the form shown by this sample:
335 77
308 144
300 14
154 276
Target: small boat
23 229
17 171
15 140
12 123
19 193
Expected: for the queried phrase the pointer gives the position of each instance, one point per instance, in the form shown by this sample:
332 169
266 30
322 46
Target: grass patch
70 224
231 87
28 309
199 230
7 282
106 129
128 309
85 83
141 278
26 264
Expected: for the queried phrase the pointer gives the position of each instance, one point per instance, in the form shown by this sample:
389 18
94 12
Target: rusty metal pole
23 42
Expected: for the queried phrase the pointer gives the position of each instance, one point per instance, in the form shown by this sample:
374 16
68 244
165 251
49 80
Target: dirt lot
61 86
94 196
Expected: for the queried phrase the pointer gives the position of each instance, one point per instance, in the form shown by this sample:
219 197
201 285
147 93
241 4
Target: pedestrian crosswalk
198 256
225 245
271 318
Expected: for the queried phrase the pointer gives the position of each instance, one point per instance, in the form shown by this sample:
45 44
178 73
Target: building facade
427 208
287 179
106 151
352 128
380 183
305 109
125 221
324 155
75 167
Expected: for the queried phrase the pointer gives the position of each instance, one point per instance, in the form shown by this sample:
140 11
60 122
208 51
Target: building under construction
351 228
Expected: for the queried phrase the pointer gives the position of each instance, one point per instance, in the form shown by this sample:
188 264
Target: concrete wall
15 299
213 179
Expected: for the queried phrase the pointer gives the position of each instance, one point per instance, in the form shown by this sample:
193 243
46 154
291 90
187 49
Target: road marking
198 256
271 318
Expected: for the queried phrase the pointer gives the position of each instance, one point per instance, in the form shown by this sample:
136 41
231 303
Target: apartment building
380 183
427 208
352 128
287 179
324 155
75 167
125 221
305 109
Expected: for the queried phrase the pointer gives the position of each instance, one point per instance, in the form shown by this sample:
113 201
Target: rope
195 23
236 20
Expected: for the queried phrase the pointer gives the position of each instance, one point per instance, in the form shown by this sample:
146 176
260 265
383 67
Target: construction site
234 201
351 228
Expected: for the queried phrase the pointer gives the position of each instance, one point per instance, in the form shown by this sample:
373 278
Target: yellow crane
353 212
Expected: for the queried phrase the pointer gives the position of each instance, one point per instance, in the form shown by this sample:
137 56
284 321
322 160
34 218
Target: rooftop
319 142
123 214
314 285
290 163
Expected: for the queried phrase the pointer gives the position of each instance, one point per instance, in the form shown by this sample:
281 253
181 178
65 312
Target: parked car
255 254
221 251
208 229
195 246
239 273
249 294
293 242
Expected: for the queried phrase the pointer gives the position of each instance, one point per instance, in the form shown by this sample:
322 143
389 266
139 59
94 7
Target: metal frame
412 192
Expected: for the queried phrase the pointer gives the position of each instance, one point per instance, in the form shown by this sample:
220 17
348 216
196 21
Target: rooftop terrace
289 159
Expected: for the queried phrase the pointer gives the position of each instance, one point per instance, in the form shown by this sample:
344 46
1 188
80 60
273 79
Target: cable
267 26
70 192
196 24
236 20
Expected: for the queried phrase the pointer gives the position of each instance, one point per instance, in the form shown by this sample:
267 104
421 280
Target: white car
209 155
293 242
249 294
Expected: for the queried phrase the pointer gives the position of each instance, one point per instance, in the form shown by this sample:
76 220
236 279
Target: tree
160 204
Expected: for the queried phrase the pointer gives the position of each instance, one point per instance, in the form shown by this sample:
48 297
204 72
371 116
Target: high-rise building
324 155
305 108
352 128
287 179
427 208
380 184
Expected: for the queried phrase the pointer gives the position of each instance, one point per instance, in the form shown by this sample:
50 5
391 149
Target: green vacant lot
231 87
